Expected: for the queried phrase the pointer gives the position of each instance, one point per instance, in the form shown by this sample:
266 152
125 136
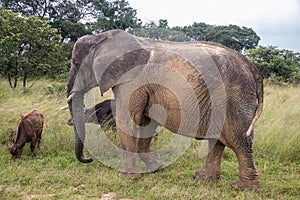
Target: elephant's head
99 60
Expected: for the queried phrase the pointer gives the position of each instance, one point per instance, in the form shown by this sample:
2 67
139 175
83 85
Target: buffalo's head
15 151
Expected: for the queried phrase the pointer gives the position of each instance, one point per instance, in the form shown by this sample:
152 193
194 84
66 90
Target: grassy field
56 174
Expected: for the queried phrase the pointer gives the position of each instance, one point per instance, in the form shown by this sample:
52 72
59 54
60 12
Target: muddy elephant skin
201 90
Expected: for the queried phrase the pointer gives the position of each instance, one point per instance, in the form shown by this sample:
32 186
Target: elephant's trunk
76 108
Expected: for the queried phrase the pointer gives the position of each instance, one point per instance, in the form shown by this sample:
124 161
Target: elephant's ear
83 50
87 43
119 59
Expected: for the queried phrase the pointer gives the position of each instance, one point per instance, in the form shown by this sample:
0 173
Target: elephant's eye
76 65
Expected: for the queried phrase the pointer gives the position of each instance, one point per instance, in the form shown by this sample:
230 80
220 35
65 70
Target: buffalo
30 129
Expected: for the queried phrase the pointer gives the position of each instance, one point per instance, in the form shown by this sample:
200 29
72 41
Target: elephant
198 89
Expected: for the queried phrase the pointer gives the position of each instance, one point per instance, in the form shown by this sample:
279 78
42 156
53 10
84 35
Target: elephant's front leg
211 169
129 151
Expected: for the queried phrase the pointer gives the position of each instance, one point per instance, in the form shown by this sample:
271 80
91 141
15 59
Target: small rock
80 187
107 196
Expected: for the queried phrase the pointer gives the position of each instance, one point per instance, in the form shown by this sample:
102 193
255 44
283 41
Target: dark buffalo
29 130
104 114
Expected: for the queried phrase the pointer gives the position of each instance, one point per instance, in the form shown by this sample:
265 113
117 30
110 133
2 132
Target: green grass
56 174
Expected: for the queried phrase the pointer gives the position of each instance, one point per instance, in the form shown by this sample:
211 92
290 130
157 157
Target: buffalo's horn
64 107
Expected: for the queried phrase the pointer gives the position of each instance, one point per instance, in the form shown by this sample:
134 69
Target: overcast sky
277 22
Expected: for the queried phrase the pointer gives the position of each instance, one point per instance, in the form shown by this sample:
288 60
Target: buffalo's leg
248 175
211 169
39 141
32 146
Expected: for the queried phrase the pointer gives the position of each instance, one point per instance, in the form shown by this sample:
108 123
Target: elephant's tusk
70 97
64 107
10 146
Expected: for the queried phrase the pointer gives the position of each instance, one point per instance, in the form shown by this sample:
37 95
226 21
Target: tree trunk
25 77
12 82
9 81
15 81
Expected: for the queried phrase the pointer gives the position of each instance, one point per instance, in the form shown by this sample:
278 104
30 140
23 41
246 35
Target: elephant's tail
260 99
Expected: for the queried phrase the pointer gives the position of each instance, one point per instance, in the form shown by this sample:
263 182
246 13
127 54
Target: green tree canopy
231 36
64 15
74 18
160 32
28 46
282 64
163 23
115 15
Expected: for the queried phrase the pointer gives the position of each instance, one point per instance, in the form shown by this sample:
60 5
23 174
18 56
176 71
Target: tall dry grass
277 134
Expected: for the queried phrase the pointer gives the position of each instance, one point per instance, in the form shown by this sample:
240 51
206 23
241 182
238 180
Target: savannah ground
56 174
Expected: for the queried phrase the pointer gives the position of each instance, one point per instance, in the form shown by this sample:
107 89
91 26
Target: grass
278 130
56 174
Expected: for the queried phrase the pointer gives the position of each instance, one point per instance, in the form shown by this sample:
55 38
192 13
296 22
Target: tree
236 37
28 46
163 23
64 15
231 36
67 17
116 15
281 63
160 32
28 7
74 18
197 32
70 30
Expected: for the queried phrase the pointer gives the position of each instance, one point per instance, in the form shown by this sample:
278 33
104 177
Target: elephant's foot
129 175
153 164
207 175
252 185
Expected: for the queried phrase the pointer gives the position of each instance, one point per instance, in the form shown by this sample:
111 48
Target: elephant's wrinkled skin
198 89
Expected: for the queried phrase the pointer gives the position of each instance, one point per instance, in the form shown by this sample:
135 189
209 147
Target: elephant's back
198 85
203 56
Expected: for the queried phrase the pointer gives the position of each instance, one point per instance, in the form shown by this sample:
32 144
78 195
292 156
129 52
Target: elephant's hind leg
133 146
144 131
210 171
128 145
248 178
152 162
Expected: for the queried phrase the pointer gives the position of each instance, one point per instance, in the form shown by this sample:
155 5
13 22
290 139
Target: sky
277 22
